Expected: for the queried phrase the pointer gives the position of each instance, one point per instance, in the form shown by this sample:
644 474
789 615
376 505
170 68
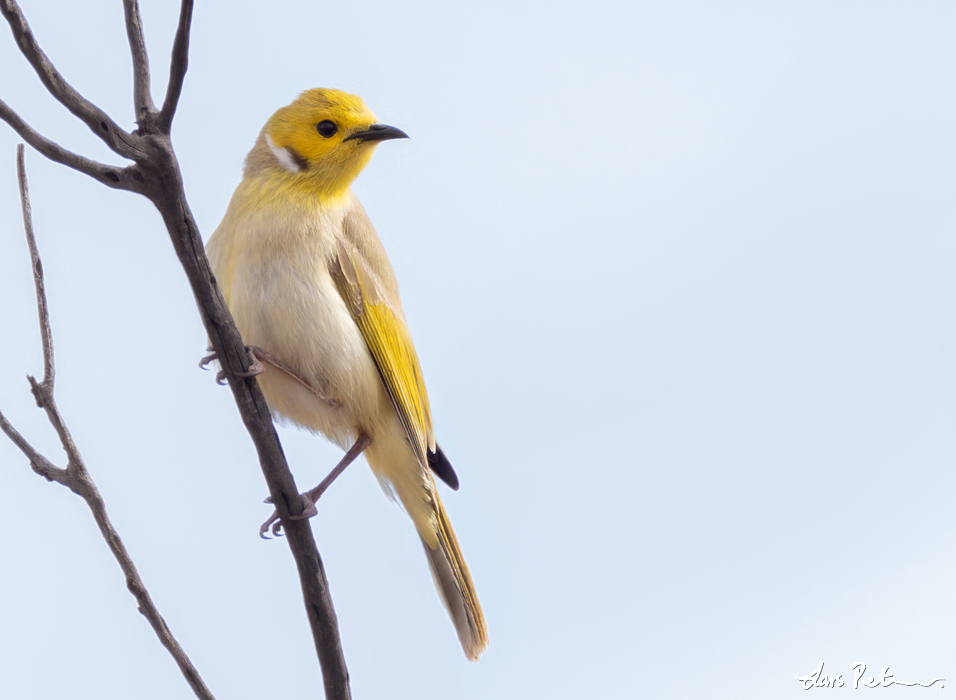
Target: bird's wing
374 305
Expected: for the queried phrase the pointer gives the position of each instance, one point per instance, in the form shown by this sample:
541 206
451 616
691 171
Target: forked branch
156 175
95 118
76 477
106 174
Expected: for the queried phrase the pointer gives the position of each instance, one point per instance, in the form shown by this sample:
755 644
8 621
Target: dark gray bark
154 173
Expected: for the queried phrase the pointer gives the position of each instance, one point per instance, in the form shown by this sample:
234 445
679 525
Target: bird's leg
254 368
261 356
354 451
313 495
258 357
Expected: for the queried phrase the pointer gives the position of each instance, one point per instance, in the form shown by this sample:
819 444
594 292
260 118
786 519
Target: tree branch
107 174
157 176
97 120
46 334
179 62
75 476
170 200
40 464
142 97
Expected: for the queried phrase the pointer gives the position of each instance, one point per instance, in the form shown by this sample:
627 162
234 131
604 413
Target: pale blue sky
681 279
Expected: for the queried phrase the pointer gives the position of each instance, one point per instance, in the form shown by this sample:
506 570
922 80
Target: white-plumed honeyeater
314 296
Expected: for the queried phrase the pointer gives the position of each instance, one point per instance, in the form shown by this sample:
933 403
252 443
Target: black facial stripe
297 158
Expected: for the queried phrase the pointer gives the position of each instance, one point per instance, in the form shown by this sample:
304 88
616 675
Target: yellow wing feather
390 343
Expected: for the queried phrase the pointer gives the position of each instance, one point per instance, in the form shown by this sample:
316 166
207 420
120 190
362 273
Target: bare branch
43 391
177 67
142 97
109 175
97 120
46 335
256 416
156 175
75 476
40 464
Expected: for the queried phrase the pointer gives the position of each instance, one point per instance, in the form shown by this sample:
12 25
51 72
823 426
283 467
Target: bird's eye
327 128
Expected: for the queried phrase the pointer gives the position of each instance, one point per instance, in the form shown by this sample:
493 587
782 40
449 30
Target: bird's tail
456 587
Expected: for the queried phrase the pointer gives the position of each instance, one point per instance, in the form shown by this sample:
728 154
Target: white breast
285 301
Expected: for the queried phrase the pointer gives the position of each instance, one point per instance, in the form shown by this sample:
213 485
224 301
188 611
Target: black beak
377 132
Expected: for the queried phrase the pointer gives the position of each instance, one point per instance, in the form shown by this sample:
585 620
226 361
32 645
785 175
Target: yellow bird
314 296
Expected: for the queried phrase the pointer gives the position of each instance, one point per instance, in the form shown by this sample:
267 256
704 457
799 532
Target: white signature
817 679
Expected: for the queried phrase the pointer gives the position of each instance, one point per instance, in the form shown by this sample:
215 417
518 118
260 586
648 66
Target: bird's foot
274 523
255 367
311 497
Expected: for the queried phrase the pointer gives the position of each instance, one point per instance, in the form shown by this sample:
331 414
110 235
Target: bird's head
323 140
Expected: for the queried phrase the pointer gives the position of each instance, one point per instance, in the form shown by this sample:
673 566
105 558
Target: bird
317 303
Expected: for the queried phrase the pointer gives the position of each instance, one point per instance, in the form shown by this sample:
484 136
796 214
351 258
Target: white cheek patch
283 156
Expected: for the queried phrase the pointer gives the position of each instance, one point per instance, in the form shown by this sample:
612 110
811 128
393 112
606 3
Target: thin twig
97 120
75 476
156 175
107 174
46 335
142 97
179 62
41 465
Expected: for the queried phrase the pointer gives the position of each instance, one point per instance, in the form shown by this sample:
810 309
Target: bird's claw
311 497
255 367
207 359
275 522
